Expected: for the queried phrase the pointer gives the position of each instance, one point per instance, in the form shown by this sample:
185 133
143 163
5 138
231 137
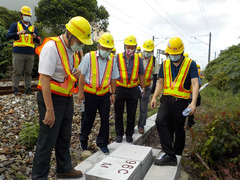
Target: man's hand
81 97
21 32
76 73
49 118
112 98
153 103
193 107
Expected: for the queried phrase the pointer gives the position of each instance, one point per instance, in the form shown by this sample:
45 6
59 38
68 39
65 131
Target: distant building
97 32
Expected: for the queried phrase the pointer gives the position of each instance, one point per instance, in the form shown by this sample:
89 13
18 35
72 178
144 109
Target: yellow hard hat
80 28
106 40
185 54
138 48
113 49
148 45
198 66
175 46
130 40
26 10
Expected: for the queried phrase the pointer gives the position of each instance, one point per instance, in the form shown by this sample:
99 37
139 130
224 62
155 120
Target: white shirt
50 63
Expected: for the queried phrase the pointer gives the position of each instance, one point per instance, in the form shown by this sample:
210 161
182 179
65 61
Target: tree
8 17
54 14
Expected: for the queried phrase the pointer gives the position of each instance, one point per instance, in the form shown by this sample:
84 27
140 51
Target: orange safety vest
94 87
176 88
67 87
140 55
148 72
24 39
133 82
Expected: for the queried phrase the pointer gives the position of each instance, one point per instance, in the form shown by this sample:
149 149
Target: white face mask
175 58
77 47
104 54
26 18
147 54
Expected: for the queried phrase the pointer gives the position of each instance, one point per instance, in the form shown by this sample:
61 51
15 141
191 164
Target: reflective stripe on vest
148 72
123 72
176 88
140 55
24 39
94 87
67 87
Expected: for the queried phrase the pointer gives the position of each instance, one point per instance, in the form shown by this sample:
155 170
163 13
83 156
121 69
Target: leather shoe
129 139
166 160
141 130
119 139
83 145
71 174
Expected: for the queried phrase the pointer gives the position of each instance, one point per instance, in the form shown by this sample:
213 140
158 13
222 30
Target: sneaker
71 174
105 150
166 160
129 139
16 92
83 145
119 139
141 130
29 91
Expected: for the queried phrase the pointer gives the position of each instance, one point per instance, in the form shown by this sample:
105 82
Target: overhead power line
204 15
133 18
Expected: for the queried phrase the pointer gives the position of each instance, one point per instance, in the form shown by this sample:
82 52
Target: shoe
16 92
29 91
129 139
141 130
119 139
105 150
71 174
166 160
83 145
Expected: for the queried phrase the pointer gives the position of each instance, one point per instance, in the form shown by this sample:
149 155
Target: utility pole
209 49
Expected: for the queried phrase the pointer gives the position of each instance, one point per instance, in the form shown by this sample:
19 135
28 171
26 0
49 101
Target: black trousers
92 104
130 97
170 122
58 136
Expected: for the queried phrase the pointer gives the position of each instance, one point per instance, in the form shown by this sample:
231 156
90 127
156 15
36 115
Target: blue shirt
129 64
12 34
102 63
192 73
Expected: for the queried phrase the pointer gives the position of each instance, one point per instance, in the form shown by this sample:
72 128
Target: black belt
174 99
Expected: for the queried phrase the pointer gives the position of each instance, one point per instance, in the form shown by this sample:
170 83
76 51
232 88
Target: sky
191 20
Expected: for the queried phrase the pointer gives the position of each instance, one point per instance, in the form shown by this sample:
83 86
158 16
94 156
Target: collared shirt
102 63
12 34
129 64
192 73
50 63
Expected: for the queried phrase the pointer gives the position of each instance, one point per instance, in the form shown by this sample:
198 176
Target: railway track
7 89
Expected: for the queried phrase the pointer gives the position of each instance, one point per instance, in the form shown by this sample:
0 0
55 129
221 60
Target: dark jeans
59 136
144 107
170 122
92 104
130 97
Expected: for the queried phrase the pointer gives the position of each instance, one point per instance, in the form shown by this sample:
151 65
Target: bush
29 134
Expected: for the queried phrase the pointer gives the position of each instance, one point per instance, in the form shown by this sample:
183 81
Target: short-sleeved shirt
192 73
50 63
129 65
102 63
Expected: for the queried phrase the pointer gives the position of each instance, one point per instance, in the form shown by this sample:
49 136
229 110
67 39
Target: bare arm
113 90
47 96
195 91
157 92
81 88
